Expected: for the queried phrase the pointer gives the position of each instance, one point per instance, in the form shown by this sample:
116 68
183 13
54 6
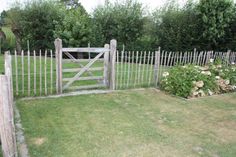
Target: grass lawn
130 123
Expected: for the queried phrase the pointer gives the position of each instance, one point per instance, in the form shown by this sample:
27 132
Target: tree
215 17
75 28
122 21
176 27
34 22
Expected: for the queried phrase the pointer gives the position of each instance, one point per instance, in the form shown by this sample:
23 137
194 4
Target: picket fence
39 73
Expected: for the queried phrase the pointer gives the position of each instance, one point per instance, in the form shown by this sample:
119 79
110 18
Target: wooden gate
75 73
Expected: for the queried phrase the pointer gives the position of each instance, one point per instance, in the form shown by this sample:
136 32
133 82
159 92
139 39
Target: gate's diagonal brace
85 68
77 61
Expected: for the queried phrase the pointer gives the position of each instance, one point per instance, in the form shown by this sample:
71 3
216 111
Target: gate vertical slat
106 63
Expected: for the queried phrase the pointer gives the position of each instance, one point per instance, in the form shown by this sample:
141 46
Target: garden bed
130 123
191 81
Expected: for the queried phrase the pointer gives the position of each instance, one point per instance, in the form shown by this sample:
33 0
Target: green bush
181 80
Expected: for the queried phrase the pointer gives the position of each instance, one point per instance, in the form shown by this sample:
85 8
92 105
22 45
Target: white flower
206 73
210 92
211 60
201 92
219 66
165 74
233 63
199 84
217 77
227 82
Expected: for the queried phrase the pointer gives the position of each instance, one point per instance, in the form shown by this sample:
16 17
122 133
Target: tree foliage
205 25
215 17
75 27
122 21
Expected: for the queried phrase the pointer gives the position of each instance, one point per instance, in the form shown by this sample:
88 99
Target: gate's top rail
85 49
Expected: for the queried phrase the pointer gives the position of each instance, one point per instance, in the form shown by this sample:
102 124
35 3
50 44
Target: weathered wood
194 55
9 95
151 69
156 66
22 72
139 67
35 75
82 71
16 73
85 49
40 72
7 130
89 53
8 73
125 68
128 77
144 64
172 59
204 58
147 67
85 78
45 74
199 58
87 87
168 61
78 60
78 69
132 68
122 70
136 69
106 64
112 83
161 65
58 53
117 69
51 82
29 77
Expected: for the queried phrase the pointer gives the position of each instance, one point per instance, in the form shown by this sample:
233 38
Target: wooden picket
7 129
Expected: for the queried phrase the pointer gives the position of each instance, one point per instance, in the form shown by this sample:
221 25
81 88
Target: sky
91 4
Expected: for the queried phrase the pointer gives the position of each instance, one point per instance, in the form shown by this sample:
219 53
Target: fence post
58 53
208 57
106 65
157 66
7 129
227 57
112 81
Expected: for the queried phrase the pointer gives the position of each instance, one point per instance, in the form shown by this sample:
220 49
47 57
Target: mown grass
130 123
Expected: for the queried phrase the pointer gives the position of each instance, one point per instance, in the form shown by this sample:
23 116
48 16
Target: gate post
58 53
157 66
112 81
106 65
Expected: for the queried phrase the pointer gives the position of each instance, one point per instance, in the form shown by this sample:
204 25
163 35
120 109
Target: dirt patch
226 131
39 141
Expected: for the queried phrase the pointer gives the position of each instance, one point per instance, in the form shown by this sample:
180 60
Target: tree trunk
18 40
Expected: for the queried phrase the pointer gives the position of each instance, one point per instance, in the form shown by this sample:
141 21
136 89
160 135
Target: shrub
182 80
194 81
